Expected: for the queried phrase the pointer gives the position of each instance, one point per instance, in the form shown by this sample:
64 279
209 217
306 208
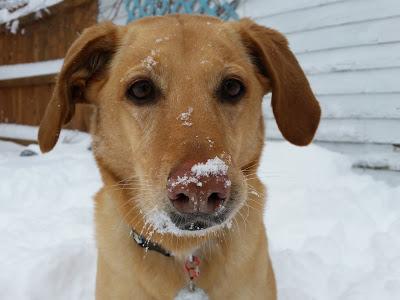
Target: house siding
350 52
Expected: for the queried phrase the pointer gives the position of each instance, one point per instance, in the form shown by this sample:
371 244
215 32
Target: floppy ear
87 57
295 108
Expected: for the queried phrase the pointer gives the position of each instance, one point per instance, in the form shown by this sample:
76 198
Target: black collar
147 244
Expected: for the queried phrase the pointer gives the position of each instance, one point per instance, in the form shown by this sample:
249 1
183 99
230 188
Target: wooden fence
23 100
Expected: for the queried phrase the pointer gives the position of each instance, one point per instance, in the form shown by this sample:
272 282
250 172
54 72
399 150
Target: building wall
350 51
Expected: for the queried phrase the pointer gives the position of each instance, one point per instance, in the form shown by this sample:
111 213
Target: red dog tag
192 267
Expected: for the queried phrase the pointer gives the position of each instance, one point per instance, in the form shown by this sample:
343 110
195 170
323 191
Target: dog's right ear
295 107
87 56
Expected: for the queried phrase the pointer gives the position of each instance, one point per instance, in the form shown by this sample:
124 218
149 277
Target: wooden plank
338 13
29 81
351 35
350 59
26 105
357 82
370 106
384 131
261 8
354 106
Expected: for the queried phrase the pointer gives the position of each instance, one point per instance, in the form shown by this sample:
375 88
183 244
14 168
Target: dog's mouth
172 222
198 221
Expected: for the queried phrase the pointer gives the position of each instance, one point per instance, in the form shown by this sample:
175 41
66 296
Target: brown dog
177 137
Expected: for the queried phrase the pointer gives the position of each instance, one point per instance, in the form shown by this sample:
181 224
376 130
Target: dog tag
194 293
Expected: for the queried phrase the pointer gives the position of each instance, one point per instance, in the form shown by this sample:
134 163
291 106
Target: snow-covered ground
334 234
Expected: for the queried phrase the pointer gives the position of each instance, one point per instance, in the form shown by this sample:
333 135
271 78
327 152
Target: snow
160 40
215 166
149 62
185 180
30 69
13 27
18 131
185 117
161 222
333 234
186 294
47 240
32 6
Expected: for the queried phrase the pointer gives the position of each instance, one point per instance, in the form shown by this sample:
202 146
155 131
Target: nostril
182 203
215 200
182 198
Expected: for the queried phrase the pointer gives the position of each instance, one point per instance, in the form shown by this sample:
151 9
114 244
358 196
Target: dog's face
179 120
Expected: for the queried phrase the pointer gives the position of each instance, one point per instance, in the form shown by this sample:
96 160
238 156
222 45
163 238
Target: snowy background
334 234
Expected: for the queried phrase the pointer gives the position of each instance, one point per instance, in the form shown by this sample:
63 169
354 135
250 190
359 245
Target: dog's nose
199 187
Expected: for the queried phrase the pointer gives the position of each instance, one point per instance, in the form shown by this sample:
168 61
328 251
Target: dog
177 137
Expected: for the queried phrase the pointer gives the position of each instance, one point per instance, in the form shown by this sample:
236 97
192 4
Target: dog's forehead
174 39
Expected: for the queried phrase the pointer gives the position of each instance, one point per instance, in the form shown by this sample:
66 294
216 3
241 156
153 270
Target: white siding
350 51
108 9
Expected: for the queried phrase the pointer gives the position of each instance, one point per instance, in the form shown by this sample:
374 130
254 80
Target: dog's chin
199 223
169 221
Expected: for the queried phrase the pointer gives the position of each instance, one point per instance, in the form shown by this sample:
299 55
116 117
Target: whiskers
134 189
133 182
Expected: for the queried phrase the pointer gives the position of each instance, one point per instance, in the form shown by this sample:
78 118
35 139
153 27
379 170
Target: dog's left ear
88 56
295 108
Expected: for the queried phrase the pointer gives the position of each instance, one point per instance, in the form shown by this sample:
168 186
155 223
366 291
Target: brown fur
137 146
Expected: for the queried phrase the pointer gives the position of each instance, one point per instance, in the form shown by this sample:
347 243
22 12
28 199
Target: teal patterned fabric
223 9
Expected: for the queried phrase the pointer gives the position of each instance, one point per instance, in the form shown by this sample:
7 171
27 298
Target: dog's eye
141 92
231 90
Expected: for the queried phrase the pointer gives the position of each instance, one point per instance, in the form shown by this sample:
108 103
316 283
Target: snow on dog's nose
199 187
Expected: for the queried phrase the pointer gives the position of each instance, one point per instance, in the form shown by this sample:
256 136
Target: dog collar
147 244
191 266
